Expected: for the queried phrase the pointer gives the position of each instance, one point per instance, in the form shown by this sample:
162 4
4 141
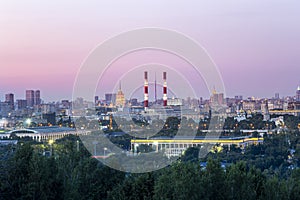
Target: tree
273 188
140 186
18 174
180 181
214 180
244 183
31 176
190 155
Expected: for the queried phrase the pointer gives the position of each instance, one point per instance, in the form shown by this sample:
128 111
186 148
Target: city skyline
152 99
254 44
11 97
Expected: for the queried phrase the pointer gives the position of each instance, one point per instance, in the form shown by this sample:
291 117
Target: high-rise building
298 94
4 109
276 95
110 98
221 98
30 98
21 104
120 98
9 98
217 98
37 97
33 97
96 99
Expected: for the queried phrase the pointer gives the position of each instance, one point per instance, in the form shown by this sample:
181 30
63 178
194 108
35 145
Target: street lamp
104 149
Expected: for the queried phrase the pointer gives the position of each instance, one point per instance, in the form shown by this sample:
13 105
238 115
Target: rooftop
44 129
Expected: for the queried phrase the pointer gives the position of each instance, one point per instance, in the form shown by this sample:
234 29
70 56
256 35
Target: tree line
261 172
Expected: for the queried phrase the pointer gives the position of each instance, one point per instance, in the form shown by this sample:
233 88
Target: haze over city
255 44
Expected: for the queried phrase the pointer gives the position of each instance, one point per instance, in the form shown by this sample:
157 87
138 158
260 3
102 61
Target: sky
255 44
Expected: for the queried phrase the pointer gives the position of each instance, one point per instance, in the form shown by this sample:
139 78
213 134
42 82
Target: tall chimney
146 95
155 92
165 98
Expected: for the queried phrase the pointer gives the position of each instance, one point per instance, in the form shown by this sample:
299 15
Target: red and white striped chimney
146 95
165 98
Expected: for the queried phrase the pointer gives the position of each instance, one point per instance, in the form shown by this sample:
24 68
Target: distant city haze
255 44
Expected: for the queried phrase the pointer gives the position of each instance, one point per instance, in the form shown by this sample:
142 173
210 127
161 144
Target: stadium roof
44 129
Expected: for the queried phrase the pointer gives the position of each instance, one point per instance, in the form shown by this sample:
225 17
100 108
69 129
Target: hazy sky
254 43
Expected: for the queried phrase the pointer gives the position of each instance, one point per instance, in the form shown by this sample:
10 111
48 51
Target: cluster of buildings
198 109
18 113
35 117
11 107
12 111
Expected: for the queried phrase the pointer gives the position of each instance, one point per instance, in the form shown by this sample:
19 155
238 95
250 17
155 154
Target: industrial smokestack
155 92
146 95
165 98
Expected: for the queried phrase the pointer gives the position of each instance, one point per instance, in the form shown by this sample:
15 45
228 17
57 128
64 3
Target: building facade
176 146
30 98
9 98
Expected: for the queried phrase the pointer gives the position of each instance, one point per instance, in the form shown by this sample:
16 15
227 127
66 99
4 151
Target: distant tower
37 97
9 98
165 98
265 111
146 95
30 98
120 98
155 91
298 94
215 98
110 98
96 100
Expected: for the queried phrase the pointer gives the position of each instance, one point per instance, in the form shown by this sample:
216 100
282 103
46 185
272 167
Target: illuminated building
175 102
176 146
44 133
120 98
217 98
298 94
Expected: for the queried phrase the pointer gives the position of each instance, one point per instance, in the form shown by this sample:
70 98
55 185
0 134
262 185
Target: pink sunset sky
254 43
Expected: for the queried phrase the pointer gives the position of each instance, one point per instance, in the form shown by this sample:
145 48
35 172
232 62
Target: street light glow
28 121
51 142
